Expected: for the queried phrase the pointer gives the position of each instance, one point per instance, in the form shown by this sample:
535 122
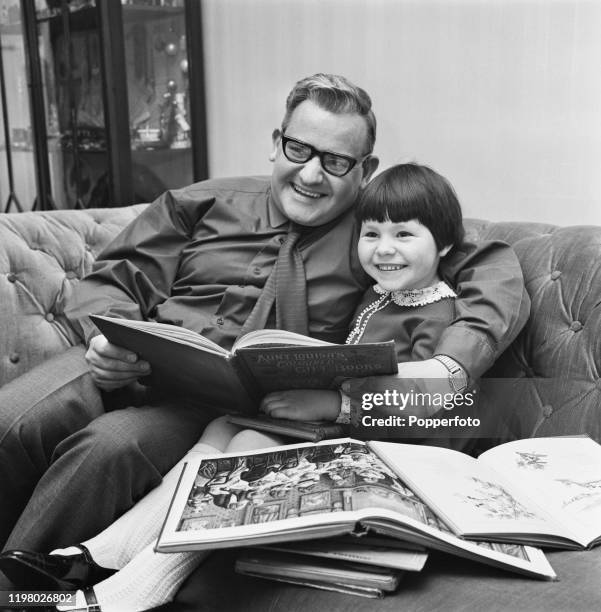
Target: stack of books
370 566
354 516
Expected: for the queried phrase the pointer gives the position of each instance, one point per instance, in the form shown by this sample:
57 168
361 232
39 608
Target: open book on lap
185 362
429 496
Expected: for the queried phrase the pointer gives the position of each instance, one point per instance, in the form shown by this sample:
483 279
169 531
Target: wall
501 96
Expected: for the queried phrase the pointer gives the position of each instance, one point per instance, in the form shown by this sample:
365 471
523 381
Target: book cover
313 431
340 549
186 362
310 571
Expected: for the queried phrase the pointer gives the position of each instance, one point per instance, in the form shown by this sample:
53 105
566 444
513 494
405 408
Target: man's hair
335 94
411 191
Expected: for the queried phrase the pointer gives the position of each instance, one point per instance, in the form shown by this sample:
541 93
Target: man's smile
306 192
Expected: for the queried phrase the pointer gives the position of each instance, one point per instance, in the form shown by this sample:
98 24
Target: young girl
410 218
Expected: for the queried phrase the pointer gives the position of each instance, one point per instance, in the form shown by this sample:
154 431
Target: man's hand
302 405
113 367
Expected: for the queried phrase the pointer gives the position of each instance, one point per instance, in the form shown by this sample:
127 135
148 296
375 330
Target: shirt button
11 278
220 321
49 317
14 358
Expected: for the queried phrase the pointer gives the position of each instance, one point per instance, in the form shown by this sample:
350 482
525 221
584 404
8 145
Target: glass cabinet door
72 82
102 101
17 164
156 64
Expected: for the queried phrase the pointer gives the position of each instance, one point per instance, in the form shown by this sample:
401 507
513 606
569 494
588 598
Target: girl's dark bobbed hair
408 192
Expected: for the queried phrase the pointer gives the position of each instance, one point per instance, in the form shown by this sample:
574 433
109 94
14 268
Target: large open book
261 361
543 491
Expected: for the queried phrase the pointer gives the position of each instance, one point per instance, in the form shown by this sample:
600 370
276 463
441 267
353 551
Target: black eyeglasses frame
313 152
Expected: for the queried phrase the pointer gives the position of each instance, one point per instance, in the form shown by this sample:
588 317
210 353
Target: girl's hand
302 405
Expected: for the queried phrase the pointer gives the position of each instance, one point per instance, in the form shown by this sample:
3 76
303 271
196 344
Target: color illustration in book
496 501
281 484
515 550
535 461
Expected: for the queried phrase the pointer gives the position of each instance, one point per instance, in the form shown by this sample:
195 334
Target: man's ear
276 135
369 166
445 250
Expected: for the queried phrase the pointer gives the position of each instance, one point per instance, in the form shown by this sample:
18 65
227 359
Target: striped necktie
287 287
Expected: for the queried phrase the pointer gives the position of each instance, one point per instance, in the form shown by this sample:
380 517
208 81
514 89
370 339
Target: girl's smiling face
399 255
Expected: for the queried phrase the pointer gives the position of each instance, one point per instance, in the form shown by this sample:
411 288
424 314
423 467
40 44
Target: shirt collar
276 217
418 297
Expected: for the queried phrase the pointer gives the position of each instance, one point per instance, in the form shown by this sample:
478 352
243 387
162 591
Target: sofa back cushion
549 381
42 255
550 376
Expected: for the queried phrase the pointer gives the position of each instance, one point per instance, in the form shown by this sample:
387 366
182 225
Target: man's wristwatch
457 375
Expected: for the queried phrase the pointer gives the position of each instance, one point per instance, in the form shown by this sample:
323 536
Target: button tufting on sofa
11 277
49 317
14 358
547 410
576 326
555 274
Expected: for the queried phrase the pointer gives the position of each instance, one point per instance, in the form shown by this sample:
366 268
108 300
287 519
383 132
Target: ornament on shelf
181 138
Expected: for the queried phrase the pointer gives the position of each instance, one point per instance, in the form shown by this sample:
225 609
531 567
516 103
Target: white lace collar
418 297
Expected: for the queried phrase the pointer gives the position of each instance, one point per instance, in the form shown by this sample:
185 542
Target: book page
277 336
563 474
472 497
286 489
162 330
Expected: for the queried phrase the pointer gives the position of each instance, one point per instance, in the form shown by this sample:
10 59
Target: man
73 458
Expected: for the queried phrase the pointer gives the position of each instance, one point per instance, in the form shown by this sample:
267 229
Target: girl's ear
445 250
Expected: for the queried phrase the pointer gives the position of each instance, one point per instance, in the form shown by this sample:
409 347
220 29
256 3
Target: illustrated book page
481 499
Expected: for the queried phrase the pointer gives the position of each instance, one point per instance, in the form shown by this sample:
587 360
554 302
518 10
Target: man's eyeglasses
299 152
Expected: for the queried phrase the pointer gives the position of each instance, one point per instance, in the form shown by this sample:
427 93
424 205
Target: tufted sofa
547 383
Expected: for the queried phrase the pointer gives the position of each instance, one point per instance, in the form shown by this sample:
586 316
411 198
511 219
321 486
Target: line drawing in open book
496 501
584 490
535 461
